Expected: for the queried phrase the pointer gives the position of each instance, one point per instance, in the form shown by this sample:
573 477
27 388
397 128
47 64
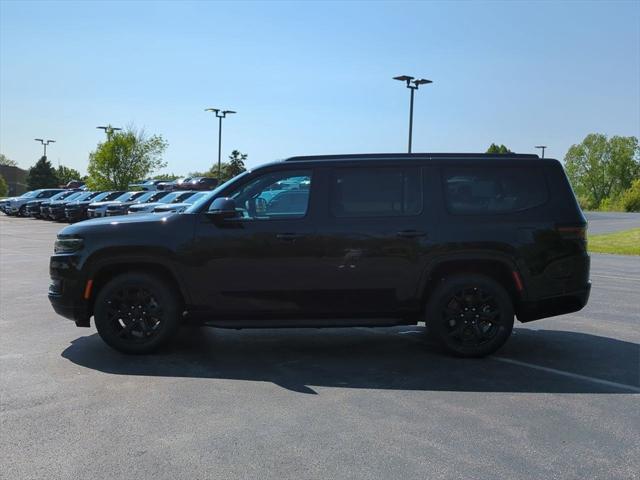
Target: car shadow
402 358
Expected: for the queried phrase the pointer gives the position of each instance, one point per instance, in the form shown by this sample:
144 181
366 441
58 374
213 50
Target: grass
626 242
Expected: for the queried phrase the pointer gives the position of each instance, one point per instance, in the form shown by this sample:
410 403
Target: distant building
16 179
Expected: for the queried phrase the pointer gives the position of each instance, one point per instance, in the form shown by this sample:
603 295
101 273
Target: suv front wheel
136 313
470 315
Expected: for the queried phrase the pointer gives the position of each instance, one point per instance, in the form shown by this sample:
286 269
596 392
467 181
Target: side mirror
222 208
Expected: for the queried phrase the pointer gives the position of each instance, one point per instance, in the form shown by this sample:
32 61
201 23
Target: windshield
208 195
100 196
195 197
113 196
73 196
130 196
30 194
85 196
151 197
170 197
62 195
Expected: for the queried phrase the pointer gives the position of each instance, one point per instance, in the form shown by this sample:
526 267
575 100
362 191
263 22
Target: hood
103 204
105 225
174 206
83 203
137 206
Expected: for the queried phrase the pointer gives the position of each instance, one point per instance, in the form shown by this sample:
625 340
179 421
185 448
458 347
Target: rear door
378 230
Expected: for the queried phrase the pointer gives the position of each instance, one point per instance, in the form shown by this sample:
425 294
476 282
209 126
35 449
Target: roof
412 156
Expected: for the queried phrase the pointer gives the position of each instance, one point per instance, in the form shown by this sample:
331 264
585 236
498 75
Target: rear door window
376 192
493 190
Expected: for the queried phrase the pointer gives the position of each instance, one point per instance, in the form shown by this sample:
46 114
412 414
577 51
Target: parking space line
616 277
599 381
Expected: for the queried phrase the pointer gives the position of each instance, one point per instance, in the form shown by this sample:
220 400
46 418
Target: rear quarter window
493 190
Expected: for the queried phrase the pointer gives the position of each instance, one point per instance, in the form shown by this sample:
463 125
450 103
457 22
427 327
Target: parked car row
76 205
187 183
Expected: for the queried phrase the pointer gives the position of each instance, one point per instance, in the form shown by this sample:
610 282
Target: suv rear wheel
470 315
136 313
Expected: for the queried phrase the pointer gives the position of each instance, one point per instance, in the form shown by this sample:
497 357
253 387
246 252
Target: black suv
461 241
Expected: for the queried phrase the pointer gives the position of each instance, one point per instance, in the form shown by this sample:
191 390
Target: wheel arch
498 268
106 267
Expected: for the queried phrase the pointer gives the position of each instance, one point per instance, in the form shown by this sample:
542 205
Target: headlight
68 244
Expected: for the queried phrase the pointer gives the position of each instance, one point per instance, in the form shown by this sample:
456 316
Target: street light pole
109 130
44 144
412 84
219 115
542 147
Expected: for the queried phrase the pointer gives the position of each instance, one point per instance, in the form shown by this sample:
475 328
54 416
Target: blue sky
310 78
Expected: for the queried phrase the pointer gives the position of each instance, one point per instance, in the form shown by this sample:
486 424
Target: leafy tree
167 177
4 188
493 148
235 166
631 198
66 174
602 167
6 161
126 157
42 175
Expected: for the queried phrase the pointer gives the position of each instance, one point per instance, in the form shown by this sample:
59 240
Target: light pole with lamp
220 115
44 144
412 84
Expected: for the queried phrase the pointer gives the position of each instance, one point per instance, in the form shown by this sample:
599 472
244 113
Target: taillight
572 232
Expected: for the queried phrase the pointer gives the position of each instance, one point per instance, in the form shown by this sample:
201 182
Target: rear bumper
551 306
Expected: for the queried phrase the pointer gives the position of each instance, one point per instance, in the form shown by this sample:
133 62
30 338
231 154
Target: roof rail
383 156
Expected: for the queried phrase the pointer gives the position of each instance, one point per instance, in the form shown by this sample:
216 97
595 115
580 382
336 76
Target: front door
262 261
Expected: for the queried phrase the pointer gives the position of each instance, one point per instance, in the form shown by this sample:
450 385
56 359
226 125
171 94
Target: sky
315 78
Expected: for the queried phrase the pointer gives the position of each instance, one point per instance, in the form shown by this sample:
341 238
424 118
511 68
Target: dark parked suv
464 242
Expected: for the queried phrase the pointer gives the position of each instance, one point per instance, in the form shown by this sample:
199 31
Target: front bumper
76 214
67 288
56 213
115 213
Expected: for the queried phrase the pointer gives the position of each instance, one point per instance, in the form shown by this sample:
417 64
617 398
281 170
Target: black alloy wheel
470 315
136 313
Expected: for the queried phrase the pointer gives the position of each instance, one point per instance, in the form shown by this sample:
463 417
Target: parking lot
559 401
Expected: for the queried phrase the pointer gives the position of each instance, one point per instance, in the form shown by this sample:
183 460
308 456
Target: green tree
167 177
631 198
4 188
235 165
602 167
126 157
66 174
493 148
42 175
6 161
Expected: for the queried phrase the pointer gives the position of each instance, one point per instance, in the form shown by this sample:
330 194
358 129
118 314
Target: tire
136 313
470 315
22 211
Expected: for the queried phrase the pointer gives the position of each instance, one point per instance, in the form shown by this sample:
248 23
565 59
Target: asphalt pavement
608 222
559 401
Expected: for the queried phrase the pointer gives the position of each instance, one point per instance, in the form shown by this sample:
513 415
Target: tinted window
376 192
274 195
477 191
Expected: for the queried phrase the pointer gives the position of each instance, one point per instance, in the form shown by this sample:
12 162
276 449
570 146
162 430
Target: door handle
411 234
289 237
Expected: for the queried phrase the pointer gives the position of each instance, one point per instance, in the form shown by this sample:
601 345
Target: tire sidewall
162 293
443 293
